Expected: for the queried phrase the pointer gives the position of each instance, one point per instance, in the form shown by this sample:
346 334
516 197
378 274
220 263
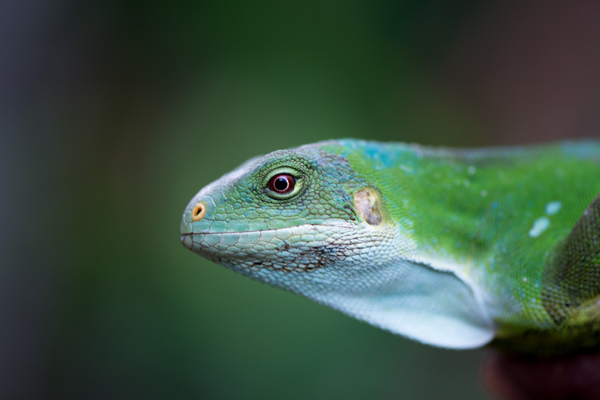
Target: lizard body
454 248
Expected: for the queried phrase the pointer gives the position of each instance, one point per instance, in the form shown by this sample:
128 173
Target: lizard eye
282 183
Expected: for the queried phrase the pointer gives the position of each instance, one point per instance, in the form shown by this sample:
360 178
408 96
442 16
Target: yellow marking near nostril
198 211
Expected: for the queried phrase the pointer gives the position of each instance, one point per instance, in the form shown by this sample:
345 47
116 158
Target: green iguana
453 248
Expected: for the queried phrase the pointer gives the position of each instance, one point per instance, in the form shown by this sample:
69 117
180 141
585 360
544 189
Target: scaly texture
453 248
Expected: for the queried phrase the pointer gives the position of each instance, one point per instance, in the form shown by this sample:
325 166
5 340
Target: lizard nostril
198 211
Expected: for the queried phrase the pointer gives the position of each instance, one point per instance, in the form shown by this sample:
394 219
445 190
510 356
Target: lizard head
290 212
307 221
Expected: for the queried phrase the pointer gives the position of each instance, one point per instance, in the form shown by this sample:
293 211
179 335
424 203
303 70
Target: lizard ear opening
367 204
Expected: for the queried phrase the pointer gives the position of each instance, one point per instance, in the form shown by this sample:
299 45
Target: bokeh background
114 113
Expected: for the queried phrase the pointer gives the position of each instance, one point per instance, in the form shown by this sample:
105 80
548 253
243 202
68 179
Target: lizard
455 248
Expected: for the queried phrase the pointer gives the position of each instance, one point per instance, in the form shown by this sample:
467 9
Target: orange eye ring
198 211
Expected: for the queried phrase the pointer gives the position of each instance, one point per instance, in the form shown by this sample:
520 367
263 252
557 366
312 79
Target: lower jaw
187 241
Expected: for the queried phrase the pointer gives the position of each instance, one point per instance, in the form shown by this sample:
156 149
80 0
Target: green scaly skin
453 248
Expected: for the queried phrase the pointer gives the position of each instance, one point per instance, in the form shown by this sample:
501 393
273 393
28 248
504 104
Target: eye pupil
282 184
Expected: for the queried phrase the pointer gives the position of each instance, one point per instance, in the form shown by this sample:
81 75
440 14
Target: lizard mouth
187 241
267 239
300 248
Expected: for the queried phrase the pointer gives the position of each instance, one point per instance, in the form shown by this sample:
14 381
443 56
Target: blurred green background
115 113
